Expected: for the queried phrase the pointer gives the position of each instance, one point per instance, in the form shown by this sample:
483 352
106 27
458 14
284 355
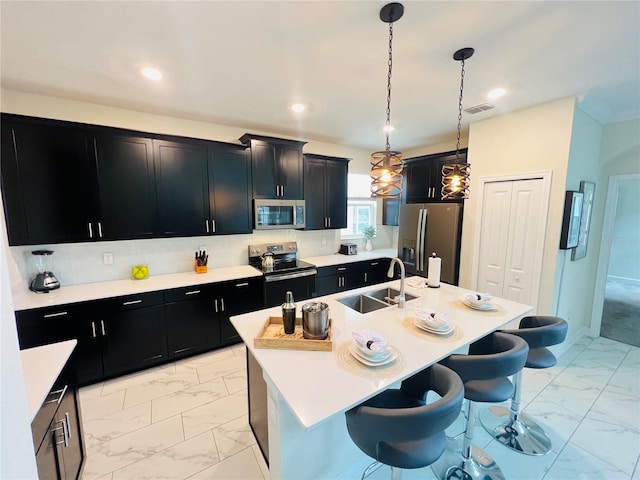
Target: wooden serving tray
272 336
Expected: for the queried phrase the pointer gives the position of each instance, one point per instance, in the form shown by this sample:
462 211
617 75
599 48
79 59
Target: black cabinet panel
423 176
126 187
325 191
183 192
241 296
290 172
390 211
347 276
230 191
46 183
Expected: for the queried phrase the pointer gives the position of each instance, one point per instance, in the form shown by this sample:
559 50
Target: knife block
199 268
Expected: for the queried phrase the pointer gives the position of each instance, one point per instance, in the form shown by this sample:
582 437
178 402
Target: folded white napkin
478 297
417 282
370 340
432 319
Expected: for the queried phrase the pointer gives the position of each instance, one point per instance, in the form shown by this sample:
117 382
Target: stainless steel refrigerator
425 228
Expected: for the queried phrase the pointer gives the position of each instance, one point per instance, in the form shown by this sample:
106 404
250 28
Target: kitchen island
309 391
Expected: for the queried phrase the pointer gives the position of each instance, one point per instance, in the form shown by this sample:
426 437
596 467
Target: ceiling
243 63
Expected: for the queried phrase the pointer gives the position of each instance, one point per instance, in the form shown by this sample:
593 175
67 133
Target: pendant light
455 176
386 166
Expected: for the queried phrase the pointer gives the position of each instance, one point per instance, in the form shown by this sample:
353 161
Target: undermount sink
374 300
362 303
385 293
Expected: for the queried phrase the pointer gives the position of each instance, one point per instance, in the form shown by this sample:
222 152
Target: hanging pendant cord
390 62
460 111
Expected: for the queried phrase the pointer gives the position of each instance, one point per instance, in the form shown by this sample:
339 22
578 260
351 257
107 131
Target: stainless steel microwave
272 214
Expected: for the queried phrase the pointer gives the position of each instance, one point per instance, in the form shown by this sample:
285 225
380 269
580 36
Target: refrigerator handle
418 235
423 240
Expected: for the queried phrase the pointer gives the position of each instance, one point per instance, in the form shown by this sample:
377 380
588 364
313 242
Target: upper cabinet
126 187
276 167
390 211
423 176
325 191
68 182
46 183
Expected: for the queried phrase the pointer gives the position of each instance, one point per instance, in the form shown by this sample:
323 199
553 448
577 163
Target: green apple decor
139 272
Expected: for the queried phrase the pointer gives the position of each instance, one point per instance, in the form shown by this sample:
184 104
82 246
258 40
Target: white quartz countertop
41 366
317 385
336 259
25 299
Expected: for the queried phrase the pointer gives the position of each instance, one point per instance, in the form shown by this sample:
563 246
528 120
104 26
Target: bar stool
397 428
510 427
485 374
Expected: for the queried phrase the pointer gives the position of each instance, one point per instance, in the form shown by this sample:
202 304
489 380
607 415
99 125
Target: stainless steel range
284 272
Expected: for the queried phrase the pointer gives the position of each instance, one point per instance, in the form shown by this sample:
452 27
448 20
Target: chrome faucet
400 299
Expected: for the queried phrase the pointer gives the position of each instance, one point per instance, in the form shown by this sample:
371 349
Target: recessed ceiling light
496 93
298 107
151 73
388 128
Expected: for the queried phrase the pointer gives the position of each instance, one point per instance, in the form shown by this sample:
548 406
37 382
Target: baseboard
635 281
570 341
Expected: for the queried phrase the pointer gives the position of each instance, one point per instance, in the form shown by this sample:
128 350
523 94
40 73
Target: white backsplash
80 263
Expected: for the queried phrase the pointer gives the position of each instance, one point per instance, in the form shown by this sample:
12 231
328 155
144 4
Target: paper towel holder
433 273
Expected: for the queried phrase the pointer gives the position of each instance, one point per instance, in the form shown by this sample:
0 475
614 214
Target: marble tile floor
188 420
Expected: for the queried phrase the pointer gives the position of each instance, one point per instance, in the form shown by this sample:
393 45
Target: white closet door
494 233
511 239
523 248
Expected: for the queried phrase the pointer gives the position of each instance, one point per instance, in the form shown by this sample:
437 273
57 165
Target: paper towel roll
433 274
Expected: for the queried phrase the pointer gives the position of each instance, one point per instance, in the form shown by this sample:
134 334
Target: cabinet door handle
215 302
206 222
341 269
90 230
365 277
329 218
61 393
373 264
213 226
57 314
68 422
243 284
222 304
192 292
102 327
131 302
93 329
100 229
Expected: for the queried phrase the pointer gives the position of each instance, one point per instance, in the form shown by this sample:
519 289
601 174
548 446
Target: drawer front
43 326
42 421
187 293
340 269
133 301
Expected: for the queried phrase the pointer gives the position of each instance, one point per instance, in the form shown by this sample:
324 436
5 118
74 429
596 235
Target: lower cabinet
239 296
57 433
347 276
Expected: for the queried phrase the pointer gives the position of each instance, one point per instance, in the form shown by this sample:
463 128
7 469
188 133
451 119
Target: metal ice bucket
315 320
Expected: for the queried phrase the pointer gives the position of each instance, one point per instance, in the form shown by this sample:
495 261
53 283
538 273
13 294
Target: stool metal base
452 466
523 434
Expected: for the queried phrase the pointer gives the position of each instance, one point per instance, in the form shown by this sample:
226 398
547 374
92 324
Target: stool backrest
541 330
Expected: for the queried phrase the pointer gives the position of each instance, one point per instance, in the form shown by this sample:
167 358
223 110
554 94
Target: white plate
436 332
372 355
353 349
485 306
426 326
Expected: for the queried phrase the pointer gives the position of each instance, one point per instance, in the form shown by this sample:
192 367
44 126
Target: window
361 208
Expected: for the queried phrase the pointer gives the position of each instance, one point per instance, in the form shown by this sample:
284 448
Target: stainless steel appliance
272 214
286 274
348 249
428 228
45 280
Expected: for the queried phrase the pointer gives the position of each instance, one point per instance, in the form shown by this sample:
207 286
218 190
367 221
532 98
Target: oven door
302 284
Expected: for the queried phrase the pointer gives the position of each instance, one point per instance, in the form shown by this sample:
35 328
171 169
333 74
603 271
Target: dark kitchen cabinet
183 191
276 167
235 298
57 432
391 211
325 192
46 182
229 171
423 176
347 276
126 188
192 324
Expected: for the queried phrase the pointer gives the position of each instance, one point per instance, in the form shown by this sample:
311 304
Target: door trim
545 176
605 247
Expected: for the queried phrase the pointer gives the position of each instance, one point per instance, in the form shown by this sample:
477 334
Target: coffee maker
44 281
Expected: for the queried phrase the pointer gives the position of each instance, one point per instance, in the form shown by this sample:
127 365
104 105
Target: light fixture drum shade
386 174
455 181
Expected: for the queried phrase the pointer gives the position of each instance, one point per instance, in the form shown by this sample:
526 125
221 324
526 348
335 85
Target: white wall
530 140
576 279
82 262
